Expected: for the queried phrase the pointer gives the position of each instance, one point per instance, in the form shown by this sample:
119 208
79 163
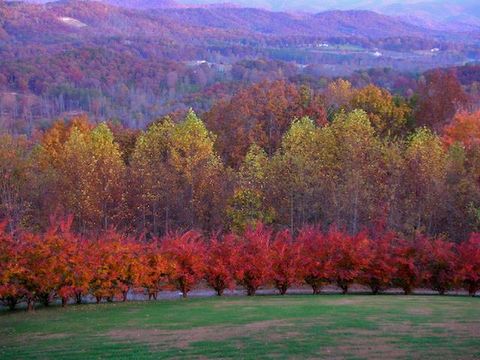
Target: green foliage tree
248 204
424 182
387 115
93 174
358 170
177 176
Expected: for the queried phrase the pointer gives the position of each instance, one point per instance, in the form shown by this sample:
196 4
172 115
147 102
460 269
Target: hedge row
37 268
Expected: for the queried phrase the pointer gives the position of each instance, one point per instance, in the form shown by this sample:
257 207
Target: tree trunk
154 211
291 214
344 286
30 305
12 303
166 220
46 300
282 289
316 289
472 290
355 213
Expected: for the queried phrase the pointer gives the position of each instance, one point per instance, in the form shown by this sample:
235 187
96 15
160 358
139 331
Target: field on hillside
328 326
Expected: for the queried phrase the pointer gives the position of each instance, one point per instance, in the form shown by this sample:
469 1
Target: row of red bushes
60 264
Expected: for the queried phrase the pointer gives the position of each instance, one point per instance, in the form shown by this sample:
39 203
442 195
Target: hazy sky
309 5
282 4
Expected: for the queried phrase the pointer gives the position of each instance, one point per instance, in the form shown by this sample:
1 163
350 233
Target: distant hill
448 15
169 20
445 15
143 4
135 60
439 14
328 24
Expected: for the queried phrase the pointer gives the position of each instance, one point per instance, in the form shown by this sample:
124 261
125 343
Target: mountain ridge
226 20
441 16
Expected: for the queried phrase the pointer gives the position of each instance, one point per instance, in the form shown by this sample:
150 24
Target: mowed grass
326 326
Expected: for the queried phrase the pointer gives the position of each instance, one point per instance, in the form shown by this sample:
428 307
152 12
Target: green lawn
326 326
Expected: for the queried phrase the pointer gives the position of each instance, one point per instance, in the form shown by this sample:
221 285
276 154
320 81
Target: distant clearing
72 22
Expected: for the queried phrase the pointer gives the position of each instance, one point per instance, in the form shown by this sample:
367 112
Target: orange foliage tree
154 269
464 129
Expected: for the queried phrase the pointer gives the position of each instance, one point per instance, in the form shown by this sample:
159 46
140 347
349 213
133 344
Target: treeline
38 268
275 152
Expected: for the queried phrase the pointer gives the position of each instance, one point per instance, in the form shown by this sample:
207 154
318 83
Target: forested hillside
275 152
133 65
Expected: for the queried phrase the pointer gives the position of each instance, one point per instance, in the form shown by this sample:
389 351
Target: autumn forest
128 165
274 153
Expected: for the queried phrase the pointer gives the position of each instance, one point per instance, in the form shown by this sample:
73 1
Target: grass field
328 326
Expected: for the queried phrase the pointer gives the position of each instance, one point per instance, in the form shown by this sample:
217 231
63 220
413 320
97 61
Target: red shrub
71 266
220 264
39 276
11 289
349 256
154 269
187 254
285 255
437 258
468 264
115 263
315 263
377 273
407 274
253 265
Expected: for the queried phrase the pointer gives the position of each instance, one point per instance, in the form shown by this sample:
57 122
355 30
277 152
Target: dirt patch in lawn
280 302
365 344
424 311
272 330
51 336
344 302
353 301
34 337
458 328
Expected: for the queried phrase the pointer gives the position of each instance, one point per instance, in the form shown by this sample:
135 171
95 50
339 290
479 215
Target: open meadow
296 326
